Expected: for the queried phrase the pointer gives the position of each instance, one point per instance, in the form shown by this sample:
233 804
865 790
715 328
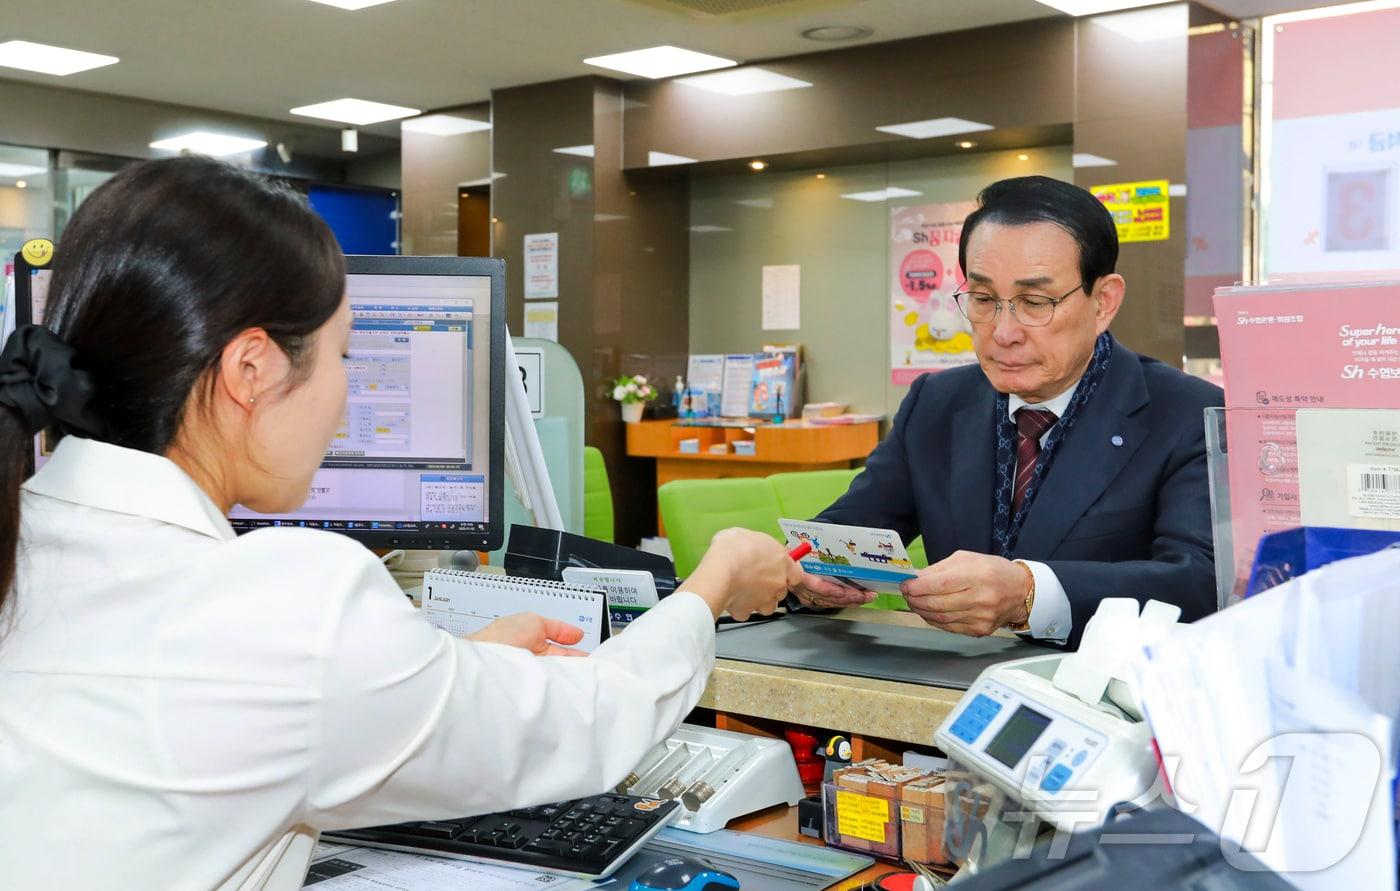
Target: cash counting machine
1052 742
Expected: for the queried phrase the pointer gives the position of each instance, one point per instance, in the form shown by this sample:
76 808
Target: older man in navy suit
1060 469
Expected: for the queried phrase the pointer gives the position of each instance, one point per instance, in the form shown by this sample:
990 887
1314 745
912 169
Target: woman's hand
532 632
744 573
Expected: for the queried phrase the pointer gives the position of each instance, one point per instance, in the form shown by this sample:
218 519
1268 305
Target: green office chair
805 494
597 496
694 510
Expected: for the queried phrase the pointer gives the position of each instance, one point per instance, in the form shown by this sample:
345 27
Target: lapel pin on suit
1116 440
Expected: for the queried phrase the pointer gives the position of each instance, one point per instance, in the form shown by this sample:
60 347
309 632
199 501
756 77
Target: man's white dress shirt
1050 618
181 707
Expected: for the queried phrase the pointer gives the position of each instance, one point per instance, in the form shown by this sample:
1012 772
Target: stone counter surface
865 706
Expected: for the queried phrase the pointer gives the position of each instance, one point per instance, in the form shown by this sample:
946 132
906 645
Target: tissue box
689 446
743 447
822 410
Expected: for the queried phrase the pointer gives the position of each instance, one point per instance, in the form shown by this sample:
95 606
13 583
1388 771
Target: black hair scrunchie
38 381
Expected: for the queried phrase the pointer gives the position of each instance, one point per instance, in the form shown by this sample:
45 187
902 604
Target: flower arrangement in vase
634 393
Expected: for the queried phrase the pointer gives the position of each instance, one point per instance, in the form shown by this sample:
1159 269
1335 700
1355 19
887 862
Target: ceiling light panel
663 159
9 169
1094 7
882 194
444 125
45 59
744 82
660 61
1084 159
582 151
205 143
359 112
934 127
352 4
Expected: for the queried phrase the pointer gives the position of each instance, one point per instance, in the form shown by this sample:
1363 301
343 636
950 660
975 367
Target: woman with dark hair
184 708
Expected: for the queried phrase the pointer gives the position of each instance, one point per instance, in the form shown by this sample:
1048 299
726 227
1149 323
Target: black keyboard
587 838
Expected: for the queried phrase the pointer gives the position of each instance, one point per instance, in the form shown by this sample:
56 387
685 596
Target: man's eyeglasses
1029 309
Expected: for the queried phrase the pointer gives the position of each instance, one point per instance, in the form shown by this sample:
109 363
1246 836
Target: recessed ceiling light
882 194
660 61
352 4
203 142
1023 157
444 125
934 127
833 33
355 111
1092 7
758 165
47 59
583 151
821 176
744 82
21 184
662 159
967 144
8 169
1084 159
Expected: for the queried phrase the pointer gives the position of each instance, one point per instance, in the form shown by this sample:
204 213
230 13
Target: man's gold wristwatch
1030 599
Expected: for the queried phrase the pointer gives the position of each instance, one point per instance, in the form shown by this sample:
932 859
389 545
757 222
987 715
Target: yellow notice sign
1141 210
861 816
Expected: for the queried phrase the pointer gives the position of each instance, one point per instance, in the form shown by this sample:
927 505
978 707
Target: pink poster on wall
1334 144
927 332
1286 348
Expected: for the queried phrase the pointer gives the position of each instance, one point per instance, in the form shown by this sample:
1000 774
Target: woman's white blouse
181 707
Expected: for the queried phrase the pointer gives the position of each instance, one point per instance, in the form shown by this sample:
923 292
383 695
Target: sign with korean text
927 330
1141 210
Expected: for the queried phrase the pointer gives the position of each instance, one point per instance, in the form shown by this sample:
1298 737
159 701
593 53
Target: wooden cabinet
778 448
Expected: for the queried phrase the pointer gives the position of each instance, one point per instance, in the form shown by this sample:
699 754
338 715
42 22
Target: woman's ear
250 366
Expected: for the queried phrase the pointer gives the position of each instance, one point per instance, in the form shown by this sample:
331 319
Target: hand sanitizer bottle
678 394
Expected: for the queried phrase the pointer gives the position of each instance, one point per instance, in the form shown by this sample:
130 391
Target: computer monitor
418 460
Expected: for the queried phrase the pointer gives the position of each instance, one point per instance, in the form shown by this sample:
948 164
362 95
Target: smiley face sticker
37 252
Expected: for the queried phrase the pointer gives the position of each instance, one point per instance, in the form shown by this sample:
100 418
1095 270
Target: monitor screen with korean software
417 460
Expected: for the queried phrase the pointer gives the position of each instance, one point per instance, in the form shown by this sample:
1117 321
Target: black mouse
683 874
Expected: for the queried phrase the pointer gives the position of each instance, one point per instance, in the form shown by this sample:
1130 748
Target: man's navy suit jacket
1129 520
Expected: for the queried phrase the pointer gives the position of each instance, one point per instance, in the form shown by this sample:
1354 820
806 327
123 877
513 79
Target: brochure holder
1256 510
